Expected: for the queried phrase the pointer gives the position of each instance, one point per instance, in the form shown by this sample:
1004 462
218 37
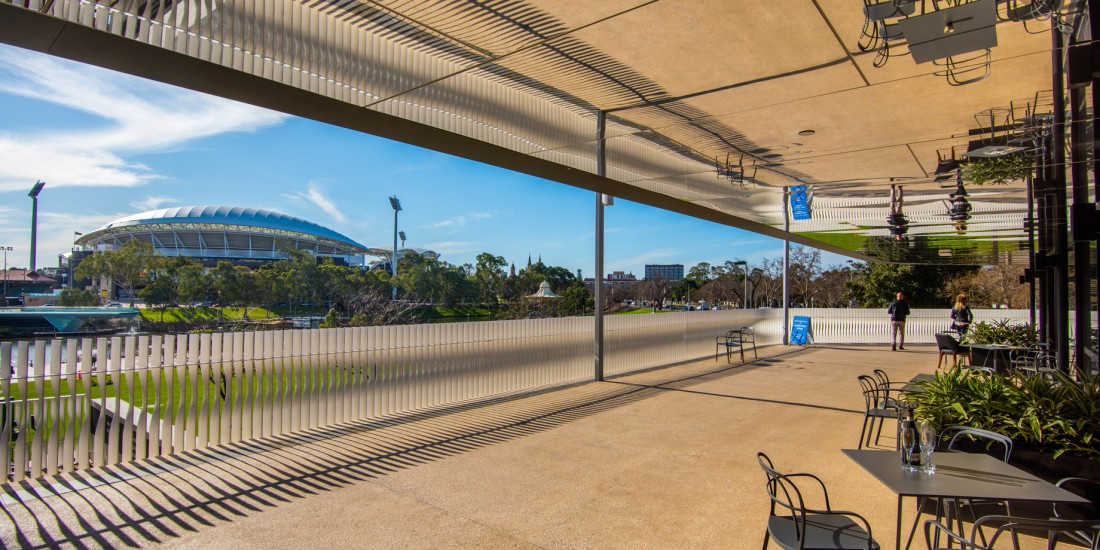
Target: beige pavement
661 459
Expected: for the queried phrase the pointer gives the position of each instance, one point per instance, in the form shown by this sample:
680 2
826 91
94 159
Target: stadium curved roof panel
250 218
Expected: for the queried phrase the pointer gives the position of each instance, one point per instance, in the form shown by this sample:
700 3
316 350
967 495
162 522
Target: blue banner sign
800 329
800 203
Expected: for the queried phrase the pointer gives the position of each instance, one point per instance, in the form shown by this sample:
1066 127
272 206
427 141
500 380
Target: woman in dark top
961 316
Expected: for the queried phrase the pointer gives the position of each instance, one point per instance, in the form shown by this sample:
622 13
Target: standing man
898 310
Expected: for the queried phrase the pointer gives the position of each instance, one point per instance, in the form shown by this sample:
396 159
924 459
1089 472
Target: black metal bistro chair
794 524
733 340
1088 488
878 406
1003 446
1001 525
891 390
748 336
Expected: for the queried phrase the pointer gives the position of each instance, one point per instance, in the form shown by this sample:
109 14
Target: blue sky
110 145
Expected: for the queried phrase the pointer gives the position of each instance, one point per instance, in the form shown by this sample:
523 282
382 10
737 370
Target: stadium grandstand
243 236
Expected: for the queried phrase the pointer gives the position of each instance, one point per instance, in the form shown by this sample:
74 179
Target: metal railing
81 402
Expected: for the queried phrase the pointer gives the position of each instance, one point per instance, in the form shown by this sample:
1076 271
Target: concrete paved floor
661 459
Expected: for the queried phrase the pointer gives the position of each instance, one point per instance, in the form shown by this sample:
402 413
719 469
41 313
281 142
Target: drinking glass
927 447
908 442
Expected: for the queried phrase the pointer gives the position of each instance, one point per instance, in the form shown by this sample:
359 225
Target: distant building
17 282
668 272
615 279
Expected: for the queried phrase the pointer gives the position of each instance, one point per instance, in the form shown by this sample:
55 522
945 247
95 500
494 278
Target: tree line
853 284
300 278
363 296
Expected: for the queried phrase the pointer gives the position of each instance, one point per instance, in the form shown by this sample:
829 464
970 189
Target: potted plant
998 170
1054 422
1003 332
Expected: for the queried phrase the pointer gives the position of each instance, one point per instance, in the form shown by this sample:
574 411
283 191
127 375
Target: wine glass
927 447
908 441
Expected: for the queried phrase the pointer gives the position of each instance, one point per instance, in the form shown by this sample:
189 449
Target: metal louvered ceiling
685 83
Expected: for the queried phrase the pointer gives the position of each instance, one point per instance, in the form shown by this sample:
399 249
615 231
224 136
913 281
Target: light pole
745 265
850 279
402 235
396 204
6 249
38 185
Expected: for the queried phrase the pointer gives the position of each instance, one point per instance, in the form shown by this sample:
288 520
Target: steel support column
601 170
1059 205
1031 248
786 267
1079 224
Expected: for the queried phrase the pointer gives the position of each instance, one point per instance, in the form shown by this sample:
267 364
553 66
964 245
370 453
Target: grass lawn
456 312
197 314
138 389
643 310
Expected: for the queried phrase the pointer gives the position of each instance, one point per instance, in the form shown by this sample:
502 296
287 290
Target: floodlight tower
38 185
6 249
745 305
396 204
402 235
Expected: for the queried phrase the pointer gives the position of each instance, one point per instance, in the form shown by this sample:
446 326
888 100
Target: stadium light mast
746 268
38 185
402 235
6 249
396 204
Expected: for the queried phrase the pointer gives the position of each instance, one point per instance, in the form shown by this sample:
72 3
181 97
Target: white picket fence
161 395
872 326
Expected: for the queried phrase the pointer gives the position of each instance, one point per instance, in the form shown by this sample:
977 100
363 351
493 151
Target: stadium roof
235 218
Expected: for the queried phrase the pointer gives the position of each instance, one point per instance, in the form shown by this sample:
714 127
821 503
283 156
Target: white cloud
456 223
151 203
132 116
647 257
314 196
452 247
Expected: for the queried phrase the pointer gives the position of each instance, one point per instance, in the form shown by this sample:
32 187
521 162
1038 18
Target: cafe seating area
665 458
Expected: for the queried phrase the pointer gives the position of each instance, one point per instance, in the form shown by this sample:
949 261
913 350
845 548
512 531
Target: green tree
878 284
700 274
489 277
337 284
236 286
128 266
575 301
331 320
159 294
75 297
193 284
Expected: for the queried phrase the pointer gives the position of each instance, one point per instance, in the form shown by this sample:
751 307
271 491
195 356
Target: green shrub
1002 331
998 170
1057 415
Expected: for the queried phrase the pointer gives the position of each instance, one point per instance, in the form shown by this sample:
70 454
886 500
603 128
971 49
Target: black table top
913 386
960 475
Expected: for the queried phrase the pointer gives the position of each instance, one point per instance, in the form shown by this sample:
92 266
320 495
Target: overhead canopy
713 107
